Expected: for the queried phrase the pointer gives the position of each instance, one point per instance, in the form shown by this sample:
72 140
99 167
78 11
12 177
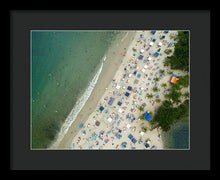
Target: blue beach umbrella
80 126
130 136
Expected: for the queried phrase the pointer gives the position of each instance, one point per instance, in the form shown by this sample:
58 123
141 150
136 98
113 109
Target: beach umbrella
128 126
135 72
142 50
118 87
143 70
149 58
160 44
109 119
119 103
141 133
151 52
151 43
80 126
145 66
140 57
134 140
127 94
130 136
124 145
146 145
156 54
129 88
97 123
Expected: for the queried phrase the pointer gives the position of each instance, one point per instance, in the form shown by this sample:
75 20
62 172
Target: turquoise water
63 63
178 136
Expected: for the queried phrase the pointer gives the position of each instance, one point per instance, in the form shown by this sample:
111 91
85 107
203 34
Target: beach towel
111 101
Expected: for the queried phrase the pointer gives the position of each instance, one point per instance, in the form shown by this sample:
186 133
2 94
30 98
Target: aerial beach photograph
110 90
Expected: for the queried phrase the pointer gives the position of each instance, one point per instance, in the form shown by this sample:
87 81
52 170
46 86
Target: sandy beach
127 76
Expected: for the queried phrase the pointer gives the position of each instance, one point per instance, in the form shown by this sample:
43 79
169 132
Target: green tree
184 80
150 96
176 87
142 117
141 108
175 96
180 57
168 115
186 94
144 129
164 85
158 100
150 113
156 79
155 89
162 71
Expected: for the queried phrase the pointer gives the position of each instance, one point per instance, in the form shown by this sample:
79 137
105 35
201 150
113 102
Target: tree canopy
180 57
168 115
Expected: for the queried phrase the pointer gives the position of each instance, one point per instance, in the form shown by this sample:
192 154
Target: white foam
77 108
124 36
104 58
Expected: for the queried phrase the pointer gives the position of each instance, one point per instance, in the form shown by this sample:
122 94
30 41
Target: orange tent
174 80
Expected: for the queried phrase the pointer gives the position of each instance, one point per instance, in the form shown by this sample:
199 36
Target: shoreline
113 70
110 66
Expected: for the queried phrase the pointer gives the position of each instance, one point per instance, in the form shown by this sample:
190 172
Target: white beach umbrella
128 126
142 50
118 87
149 58
141 133
109 119
151 43
160 44
145 66
148 142
143 70
120 110
130 75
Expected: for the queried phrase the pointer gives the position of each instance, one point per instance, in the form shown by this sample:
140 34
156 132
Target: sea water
178 137
64 67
